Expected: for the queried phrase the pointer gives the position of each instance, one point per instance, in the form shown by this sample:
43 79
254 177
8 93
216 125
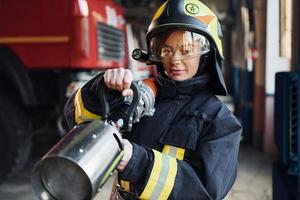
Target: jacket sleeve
209 173
85 104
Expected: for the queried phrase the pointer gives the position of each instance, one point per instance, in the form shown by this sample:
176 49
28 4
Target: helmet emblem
192 8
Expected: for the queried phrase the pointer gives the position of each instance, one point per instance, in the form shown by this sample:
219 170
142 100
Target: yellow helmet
191 15
194 16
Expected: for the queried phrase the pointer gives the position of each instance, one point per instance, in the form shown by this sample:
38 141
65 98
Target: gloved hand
127 155
119 79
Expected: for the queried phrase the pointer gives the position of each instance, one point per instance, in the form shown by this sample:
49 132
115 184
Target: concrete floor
254 180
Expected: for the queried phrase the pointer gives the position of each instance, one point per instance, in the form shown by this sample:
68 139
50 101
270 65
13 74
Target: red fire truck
47 47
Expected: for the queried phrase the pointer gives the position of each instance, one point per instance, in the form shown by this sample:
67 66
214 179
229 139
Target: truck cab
47 49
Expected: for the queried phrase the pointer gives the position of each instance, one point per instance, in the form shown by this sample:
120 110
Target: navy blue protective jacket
187 150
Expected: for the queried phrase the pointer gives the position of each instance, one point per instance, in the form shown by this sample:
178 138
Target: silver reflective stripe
162 178
173 151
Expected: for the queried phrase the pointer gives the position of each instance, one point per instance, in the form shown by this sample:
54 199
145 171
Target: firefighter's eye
187 49
166 51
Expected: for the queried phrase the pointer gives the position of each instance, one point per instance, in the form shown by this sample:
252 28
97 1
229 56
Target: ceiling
139 12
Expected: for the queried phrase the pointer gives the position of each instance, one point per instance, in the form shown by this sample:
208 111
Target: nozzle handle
135 101
128 120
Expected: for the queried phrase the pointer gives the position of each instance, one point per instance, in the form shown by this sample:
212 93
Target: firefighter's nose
176 63
176 57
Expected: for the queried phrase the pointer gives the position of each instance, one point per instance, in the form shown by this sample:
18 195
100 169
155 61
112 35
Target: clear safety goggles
184 45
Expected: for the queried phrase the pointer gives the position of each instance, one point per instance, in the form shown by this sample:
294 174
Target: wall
274 63
259 74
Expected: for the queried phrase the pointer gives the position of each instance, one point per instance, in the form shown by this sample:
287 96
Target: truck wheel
15 140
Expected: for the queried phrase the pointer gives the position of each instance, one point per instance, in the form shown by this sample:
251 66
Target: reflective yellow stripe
166 149
82 114
153 176
125 185
159 11
34 39
162 177
201 12
180 153
174 151
167 189
213 26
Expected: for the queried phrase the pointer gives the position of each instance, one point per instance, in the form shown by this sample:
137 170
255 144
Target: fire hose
79 165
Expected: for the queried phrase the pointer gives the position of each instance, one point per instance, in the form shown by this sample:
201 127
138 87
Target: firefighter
189 148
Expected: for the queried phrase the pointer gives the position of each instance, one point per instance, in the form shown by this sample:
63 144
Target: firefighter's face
176 47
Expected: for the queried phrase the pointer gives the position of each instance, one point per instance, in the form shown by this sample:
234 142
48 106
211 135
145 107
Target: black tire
15 139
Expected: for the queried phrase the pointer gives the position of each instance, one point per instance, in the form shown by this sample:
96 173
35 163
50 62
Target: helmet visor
177 45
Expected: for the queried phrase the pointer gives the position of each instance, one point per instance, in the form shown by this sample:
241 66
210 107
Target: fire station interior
261 68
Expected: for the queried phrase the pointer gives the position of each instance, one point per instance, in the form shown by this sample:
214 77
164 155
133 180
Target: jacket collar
168 88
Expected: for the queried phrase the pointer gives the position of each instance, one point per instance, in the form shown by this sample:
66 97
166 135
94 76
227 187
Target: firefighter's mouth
177 71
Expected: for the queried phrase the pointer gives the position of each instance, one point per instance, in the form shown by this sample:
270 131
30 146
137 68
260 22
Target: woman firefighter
189 148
